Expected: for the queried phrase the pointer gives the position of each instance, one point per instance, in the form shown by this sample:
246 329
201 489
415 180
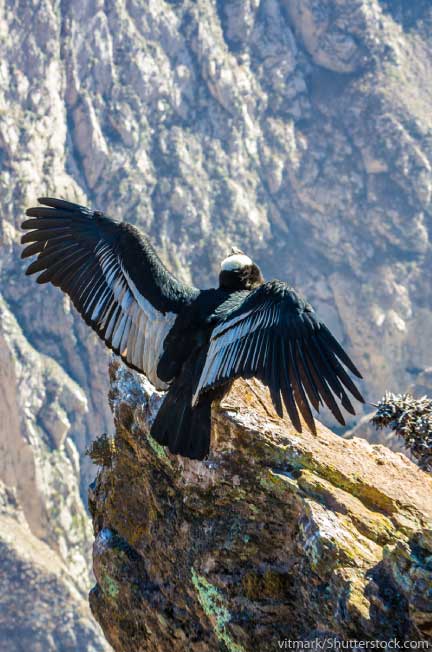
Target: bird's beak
235 250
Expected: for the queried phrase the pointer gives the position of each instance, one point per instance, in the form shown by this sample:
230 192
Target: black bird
189 341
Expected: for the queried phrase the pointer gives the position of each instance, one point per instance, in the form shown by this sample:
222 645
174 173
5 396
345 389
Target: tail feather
184 429
197 442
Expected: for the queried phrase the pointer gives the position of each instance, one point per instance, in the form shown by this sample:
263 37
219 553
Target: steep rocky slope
276 536
42 608
299 130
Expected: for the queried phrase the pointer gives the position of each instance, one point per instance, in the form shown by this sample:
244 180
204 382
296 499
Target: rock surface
299 130
277 535
42 608
35 457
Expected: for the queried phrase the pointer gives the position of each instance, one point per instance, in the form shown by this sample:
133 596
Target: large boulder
277 536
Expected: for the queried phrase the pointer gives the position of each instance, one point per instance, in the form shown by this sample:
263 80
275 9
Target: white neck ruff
236 261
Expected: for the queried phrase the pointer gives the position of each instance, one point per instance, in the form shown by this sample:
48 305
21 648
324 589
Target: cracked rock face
276 535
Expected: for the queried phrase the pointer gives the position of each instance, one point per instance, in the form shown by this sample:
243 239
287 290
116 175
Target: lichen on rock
277 535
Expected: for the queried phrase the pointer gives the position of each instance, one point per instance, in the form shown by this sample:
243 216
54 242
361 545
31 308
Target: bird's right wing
113 276
275 336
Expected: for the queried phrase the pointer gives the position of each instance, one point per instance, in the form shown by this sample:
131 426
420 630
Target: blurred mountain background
298 130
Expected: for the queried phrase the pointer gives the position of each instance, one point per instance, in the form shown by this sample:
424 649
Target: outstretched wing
275 336
113 276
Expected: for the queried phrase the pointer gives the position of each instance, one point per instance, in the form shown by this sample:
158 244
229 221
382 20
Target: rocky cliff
42 606
45 537
277 536
299 130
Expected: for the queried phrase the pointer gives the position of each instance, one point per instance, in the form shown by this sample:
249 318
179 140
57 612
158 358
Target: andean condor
189 341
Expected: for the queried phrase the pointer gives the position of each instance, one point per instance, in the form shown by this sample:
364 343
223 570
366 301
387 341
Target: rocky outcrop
276 536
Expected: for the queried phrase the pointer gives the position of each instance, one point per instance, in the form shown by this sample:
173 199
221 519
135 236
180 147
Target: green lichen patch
109 586
158 449
212 602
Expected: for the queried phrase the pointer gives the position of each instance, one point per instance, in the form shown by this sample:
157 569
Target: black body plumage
191 342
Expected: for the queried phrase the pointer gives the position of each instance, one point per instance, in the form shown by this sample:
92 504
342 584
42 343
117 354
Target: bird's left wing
275 336
113 276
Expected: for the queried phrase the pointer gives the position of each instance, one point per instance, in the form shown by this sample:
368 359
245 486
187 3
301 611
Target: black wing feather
306 377
323 388
298 391
334 345
287 391
274 379
111 273
45 235
33 249
328 373
274 335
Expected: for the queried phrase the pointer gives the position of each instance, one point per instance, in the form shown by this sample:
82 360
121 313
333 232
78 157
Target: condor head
239 272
